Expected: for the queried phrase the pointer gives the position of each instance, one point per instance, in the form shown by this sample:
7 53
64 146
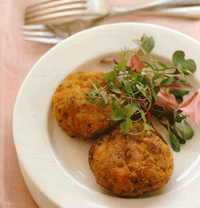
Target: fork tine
33 27
40 33
54 40
45 4
67 7
51 34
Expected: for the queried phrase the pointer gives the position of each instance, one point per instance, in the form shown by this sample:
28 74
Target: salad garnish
151 91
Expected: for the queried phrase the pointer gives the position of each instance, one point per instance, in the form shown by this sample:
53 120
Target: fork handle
191 12
154 5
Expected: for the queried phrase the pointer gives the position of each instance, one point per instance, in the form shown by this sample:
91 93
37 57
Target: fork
68 10
54 33
50 11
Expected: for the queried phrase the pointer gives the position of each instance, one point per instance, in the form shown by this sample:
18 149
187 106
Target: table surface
17 57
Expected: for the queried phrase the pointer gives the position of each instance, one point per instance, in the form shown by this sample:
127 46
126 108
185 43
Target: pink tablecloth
16 59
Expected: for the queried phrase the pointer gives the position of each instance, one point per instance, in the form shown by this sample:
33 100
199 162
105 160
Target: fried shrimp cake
131 165
74 114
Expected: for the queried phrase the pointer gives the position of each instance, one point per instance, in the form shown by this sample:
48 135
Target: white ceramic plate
57 165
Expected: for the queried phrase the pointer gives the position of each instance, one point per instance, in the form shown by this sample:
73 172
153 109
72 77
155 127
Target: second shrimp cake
74 114
131 165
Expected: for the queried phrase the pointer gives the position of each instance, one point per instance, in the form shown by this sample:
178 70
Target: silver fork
54 33
49 10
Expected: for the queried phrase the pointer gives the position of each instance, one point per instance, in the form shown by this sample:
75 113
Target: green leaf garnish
144 81
138 42
149 45
126 126
103 94
157 76
178 94
167 81
117 113
135 105
180 118
127 86
162 64
188 132
114 88
179 60
113 97
98 87
155 92
103 103
148 128
174 141
122 65
92 100
90 92
109 76
146 44
95 93
93 84
128 110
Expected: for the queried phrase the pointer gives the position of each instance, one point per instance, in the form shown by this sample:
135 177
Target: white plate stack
55 167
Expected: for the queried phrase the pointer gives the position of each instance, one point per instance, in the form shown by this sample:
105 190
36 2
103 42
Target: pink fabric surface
17 57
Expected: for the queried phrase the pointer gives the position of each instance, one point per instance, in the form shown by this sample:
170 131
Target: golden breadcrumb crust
130 165
74 114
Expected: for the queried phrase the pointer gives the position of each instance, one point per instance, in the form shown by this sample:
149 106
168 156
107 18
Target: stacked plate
55 167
